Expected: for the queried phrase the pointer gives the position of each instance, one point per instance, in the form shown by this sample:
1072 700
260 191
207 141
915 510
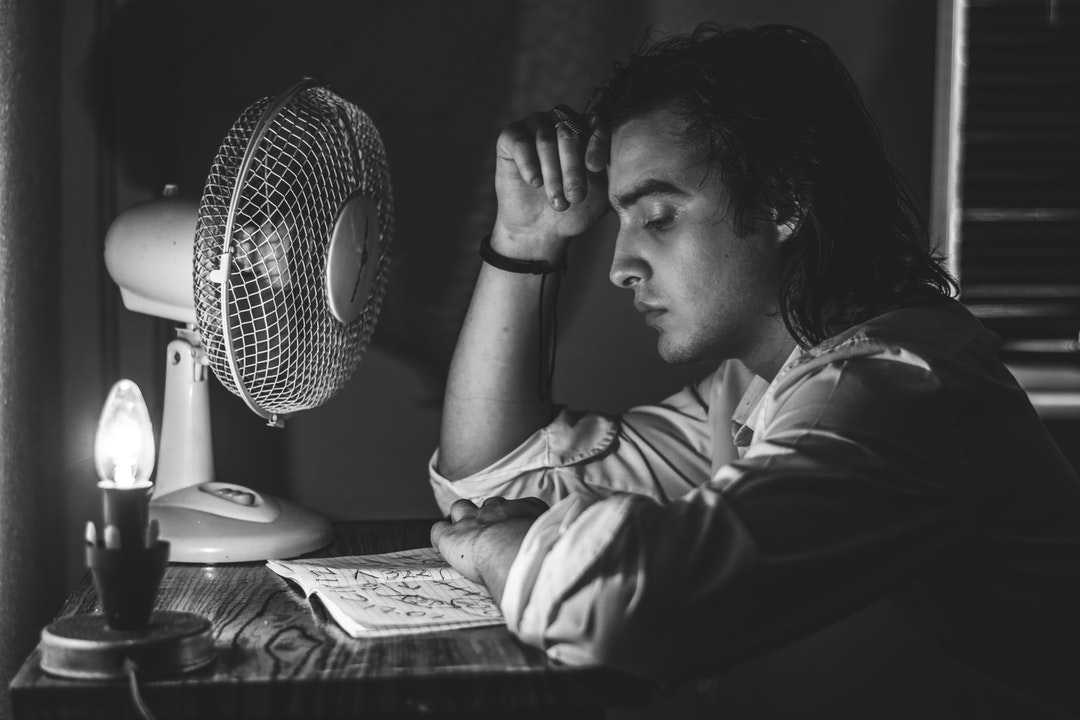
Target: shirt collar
745 419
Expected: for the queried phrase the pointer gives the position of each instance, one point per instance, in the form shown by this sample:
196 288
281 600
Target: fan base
216 522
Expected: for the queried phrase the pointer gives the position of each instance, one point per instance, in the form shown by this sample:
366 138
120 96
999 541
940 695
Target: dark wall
152 87
149 87
31 521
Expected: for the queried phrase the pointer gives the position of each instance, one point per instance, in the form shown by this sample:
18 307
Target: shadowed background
105 102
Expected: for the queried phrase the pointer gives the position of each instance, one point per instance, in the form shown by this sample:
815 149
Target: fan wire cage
273 196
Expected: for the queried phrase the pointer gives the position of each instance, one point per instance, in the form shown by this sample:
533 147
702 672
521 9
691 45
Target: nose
628 267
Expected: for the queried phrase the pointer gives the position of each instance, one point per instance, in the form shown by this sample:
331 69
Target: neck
771 351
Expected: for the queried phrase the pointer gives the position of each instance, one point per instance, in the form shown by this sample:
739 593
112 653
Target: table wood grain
278 656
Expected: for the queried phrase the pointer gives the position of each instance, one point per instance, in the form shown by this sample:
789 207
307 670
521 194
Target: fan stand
208 521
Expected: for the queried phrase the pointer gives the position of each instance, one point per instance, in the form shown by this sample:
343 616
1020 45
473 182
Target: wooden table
278 658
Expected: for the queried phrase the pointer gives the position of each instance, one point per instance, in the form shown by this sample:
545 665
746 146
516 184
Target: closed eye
660 222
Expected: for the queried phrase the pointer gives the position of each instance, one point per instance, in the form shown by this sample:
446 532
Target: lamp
127 561
123 458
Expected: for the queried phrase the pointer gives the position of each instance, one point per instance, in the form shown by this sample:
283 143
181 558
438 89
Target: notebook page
394 593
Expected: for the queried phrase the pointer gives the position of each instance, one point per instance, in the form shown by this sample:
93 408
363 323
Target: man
859 443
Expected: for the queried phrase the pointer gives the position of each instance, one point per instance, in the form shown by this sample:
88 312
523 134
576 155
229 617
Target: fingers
572 132
598 151
548 150
495 509
462 509
572 164
437 531
521 148
548 140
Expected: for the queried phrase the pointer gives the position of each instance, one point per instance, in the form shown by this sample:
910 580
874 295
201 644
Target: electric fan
277 277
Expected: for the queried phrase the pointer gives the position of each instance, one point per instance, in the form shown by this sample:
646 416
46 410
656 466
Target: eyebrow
652 186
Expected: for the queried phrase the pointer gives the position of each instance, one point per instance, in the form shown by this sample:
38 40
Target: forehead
650 147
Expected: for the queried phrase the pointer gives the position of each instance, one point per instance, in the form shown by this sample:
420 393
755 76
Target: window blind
1018 174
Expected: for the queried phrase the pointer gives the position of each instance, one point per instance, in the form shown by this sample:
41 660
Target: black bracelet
543 268
528 267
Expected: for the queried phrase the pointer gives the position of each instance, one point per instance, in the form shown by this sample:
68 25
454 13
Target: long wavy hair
775 114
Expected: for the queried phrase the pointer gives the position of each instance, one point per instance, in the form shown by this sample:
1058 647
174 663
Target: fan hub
350 262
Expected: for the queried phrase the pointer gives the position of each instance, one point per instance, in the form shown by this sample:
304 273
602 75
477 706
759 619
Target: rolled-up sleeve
851 484
660 451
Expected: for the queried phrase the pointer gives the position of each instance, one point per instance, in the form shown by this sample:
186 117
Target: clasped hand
482 542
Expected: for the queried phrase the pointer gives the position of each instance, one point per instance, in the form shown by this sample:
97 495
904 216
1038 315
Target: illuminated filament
124 445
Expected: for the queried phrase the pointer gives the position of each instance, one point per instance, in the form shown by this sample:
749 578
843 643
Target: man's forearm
500 546
492 395
547 193
482 543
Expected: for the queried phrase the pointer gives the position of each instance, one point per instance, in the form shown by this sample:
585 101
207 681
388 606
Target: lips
651 312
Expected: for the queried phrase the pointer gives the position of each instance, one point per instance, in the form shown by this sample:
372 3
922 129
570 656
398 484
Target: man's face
707 291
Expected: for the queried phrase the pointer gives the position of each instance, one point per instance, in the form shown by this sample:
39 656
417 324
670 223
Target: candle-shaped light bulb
124 459
124 446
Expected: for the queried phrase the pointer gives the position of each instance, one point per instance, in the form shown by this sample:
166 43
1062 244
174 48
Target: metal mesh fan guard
277 185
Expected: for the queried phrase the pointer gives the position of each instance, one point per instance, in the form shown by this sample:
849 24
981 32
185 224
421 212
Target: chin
689 352
677 355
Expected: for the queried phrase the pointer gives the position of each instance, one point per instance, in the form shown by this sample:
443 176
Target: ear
786 230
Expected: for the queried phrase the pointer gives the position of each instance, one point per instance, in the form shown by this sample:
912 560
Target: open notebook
411 591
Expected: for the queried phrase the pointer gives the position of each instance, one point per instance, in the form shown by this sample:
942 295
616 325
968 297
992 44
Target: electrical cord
547 364
130 668
543 268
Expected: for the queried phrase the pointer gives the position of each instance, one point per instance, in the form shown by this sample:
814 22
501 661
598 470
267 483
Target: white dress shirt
896 461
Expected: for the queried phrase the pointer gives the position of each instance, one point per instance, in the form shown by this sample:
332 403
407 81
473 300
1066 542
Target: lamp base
84 647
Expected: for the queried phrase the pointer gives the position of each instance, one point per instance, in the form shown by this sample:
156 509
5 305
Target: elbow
611 630
619 647
625 629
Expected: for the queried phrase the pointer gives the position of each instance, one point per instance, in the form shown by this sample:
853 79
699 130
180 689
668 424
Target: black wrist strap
543 268
527 267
